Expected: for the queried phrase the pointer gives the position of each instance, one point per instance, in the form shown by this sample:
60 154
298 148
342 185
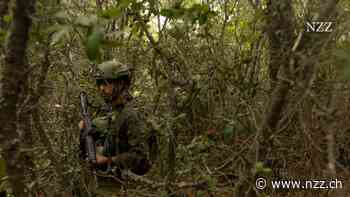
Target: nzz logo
319 27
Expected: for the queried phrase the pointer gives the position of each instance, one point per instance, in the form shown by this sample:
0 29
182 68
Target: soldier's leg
137 163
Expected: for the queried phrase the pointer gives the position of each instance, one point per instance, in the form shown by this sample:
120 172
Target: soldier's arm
136 134
136 158
102 160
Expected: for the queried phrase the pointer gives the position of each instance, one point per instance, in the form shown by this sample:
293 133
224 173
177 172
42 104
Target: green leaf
7 18
116 11
267 170
111 13
93 44
202 19
200 13
124 3
58 35
167 13
204 8
259 166
211 142
173 12
2 36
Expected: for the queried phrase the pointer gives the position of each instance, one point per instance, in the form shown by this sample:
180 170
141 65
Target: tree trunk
280 17
13 87
289 55
280 29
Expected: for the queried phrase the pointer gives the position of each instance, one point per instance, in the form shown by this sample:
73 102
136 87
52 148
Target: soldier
120 132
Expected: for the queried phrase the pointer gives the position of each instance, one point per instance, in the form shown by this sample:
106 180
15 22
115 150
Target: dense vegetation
235 89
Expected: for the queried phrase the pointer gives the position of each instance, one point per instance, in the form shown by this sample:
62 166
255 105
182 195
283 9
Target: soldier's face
106 89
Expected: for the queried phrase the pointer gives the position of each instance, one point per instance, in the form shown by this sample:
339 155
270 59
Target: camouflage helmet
112 70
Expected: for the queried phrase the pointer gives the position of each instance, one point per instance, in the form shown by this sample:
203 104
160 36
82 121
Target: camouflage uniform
122 133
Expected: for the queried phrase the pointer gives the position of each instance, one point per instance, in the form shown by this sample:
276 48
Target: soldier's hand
81 124
101 160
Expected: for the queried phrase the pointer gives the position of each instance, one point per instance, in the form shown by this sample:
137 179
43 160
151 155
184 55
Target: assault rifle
87 144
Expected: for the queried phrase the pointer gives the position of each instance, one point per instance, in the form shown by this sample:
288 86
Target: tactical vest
105 132
111 135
